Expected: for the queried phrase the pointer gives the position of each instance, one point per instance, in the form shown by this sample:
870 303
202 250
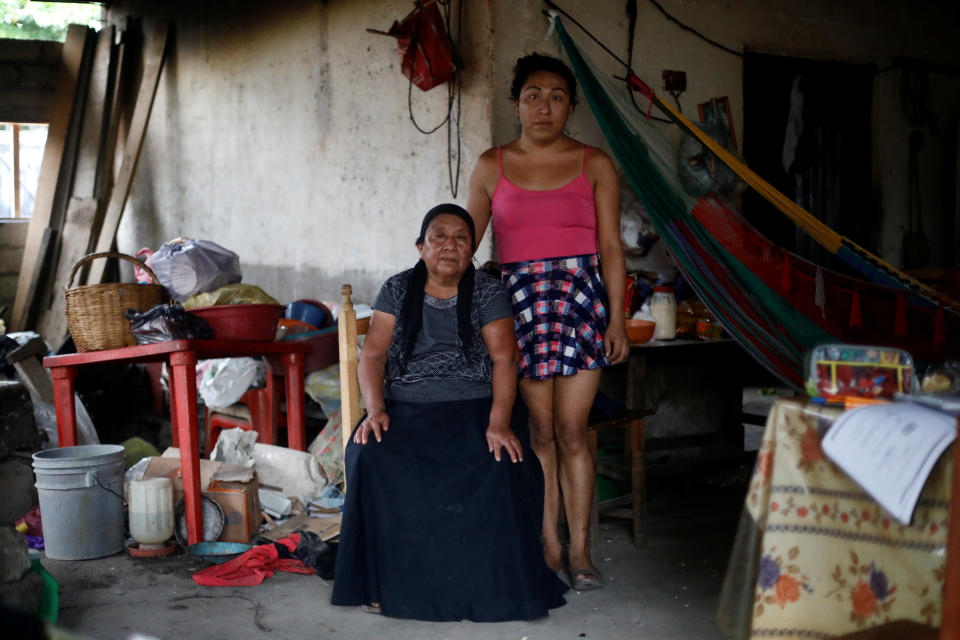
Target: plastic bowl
255 322
287 327
309 311
639 331
218 552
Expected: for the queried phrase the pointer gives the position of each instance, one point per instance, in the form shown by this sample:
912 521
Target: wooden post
349 384
16 172
153 65
53 157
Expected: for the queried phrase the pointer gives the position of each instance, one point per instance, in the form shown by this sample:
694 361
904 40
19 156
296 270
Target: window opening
21 154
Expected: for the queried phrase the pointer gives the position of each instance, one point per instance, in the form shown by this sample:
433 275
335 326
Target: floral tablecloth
815 556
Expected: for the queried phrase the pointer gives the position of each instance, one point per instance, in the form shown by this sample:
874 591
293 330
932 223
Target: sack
424 44
187 267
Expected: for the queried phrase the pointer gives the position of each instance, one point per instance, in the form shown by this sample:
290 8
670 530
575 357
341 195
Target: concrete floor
667 590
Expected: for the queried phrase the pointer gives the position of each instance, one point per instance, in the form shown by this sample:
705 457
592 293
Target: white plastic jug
151 510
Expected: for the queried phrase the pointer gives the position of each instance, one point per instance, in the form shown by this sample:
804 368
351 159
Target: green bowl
218 552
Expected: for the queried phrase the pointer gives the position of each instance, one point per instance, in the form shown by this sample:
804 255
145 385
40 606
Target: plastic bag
45 415
235 446
699 170
293 473
165 322
223 380
230 294
187 267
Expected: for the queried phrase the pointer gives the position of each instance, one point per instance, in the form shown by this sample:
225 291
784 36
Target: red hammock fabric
855 311
253 567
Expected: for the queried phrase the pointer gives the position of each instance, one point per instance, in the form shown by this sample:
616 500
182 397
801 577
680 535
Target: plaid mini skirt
559 313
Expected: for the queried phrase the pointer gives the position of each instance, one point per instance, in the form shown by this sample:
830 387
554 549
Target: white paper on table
890 450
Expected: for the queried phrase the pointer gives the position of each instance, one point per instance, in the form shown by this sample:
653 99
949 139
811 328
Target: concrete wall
281 131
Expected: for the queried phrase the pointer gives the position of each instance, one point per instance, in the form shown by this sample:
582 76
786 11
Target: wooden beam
92 131
82 207
122 86
63 103
16 172
44 292
153 65
52 324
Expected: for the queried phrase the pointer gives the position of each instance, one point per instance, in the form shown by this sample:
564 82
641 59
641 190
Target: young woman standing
554 204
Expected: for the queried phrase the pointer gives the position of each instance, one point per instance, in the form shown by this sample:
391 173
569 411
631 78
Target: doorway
807 132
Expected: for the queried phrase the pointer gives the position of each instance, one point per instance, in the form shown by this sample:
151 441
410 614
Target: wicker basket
95 312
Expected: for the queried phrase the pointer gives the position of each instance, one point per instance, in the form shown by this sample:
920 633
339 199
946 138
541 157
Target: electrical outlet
675 81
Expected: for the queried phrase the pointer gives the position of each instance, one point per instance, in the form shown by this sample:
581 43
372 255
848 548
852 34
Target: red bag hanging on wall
424 44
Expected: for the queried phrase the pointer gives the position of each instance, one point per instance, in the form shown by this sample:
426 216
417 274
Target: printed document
890 450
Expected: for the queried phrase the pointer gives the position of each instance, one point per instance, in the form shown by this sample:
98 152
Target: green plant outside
26 20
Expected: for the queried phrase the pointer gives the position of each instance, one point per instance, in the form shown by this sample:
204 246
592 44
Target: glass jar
663 308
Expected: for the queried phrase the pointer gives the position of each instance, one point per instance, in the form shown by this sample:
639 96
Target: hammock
777 305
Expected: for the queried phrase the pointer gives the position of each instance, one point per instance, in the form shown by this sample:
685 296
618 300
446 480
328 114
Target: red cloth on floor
253 567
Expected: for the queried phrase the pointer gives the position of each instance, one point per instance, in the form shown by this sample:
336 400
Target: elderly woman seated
444 498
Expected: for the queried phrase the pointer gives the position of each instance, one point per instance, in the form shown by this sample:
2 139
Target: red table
181 357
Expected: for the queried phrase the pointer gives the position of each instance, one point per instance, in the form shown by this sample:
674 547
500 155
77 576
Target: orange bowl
639 331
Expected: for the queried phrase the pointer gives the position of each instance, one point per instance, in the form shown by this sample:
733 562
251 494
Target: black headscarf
411 316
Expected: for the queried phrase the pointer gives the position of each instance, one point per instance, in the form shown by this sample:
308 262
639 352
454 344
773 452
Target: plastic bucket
81 500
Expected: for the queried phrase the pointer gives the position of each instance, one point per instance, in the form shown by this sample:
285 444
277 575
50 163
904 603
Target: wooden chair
632 505
349 329
950 608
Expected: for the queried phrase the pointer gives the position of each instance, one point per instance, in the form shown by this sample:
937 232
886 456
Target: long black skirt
434 528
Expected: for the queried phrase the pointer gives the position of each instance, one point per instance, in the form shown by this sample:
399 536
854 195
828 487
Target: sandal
585 579
373 607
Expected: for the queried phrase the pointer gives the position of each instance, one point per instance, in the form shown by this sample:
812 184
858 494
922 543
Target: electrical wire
454 92
694 31
612 54
676 98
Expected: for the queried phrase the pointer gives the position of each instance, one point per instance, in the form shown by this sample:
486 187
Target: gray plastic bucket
81 503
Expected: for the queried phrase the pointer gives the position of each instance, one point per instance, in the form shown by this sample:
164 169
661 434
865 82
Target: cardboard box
234 488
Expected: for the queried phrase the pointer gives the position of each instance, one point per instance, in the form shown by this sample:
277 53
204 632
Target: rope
820 232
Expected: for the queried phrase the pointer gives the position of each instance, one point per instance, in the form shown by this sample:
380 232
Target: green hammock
737 287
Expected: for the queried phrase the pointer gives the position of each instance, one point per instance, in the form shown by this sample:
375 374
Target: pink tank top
535 225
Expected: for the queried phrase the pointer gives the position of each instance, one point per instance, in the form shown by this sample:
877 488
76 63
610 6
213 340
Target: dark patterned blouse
438 369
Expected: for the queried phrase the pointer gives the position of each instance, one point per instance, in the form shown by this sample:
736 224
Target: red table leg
183 385
174 427
64 400
296 421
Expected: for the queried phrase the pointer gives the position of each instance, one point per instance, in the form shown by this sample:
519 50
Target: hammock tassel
939 329
820 295
900 318
786 279
856 318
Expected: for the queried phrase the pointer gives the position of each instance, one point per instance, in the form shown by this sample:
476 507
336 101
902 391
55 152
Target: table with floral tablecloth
814 555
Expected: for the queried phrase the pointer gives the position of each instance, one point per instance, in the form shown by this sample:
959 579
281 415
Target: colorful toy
842 370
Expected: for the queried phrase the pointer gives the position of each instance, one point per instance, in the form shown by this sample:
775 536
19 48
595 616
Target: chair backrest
349 329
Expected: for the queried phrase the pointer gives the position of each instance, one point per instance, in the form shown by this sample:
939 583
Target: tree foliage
27 20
